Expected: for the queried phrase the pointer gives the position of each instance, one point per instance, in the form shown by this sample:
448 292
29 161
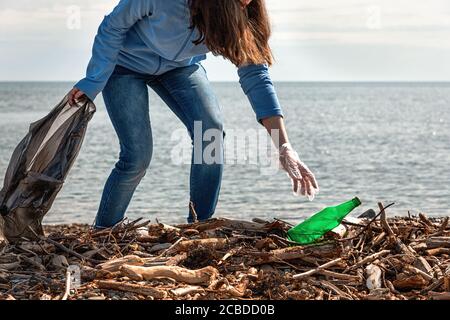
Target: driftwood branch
202 276
382 210
316 270
187 245
438 242
68 282
115 264
299 252
399 245
131 287
370 259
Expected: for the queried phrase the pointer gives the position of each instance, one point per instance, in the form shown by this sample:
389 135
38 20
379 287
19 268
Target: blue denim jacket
153 37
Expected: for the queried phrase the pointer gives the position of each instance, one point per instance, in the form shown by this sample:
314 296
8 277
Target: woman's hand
75 94
303 180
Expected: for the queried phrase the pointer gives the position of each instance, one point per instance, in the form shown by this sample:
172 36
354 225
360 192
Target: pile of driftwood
376 258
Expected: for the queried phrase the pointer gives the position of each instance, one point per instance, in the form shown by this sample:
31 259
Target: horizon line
276 81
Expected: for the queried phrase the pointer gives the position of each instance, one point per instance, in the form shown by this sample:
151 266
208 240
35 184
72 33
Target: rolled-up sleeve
109 41
258 86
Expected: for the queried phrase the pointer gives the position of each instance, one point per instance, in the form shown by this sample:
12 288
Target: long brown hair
239 34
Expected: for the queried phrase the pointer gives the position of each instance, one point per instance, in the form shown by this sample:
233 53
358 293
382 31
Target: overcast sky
315 40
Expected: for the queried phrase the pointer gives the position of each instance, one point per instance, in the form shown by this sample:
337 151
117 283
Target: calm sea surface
380 142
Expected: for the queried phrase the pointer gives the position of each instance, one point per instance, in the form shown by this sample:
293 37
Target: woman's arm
107 44
276 123
257 85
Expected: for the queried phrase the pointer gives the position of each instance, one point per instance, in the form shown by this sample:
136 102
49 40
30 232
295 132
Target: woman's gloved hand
303 180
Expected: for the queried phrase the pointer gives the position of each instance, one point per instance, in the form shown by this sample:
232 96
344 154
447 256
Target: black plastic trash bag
39 166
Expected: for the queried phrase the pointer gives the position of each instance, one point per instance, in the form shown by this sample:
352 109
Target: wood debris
379 259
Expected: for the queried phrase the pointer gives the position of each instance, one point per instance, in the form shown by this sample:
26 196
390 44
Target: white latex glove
303 180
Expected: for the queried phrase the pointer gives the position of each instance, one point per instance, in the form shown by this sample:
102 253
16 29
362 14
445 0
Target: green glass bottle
317 225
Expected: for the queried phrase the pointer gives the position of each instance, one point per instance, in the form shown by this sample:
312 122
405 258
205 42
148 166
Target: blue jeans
188 93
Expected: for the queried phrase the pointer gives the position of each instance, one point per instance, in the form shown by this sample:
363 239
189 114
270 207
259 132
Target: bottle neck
349 205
